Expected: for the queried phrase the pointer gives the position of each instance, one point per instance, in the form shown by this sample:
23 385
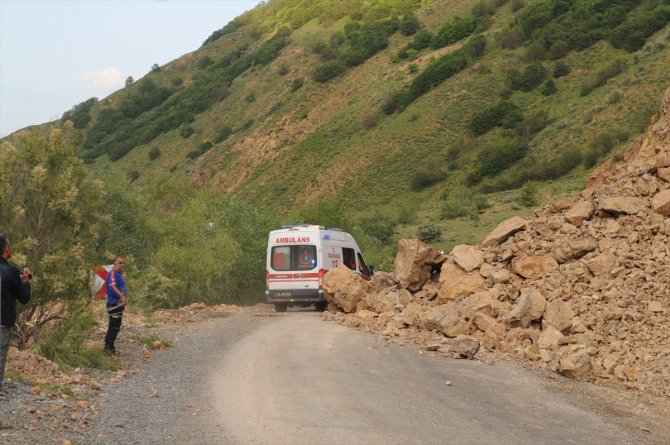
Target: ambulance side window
362 267
305 257
349 258
281 258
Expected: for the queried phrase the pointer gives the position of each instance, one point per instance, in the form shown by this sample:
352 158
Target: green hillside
392 118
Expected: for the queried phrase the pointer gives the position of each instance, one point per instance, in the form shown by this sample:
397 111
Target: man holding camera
14 285
116 302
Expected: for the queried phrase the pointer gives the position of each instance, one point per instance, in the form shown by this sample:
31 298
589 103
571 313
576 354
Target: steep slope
248 117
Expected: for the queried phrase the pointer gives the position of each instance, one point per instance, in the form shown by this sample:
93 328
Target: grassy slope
310 144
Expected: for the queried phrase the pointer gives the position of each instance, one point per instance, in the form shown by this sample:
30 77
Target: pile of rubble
582 289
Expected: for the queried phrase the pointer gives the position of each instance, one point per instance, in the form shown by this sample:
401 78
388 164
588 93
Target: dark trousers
114 316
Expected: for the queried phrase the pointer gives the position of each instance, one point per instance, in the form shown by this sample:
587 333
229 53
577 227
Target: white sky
55 54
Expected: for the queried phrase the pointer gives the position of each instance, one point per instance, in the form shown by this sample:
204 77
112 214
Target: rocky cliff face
582 289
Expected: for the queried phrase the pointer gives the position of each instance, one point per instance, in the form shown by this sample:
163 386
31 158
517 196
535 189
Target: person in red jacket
116 302
14 285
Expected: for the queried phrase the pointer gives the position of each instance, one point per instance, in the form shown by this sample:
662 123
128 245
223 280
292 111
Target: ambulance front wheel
320 306
280 307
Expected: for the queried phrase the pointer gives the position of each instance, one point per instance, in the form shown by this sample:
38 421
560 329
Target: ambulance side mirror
371 270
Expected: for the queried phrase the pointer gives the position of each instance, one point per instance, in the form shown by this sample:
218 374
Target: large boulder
622 204
465 346
571 249
382 280
456 283
558 314
386 301
467 257
414 262
345 288
411 314
534 266
664 174
446 319
504 230
574 362
661 203
529 307
579 212
601 264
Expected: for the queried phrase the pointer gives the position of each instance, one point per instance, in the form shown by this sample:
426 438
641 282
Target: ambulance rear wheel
320 306
280 307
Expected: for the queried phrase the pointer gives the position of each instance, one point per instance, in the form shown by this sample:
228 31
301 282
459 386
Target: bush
454 32
461 201
504 113
426 177
528 194
186 131
561 69
642 23
409 24
297 84
549 88
428 233
533 124
326 71
154 153
223 134
532 76
493 160
397 101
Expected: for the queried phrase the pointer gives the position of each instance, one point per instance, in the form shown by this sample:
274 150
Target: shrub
426 177
428 233
549 88
461 201
512 38
503 113
186 131
133 175
397 101
633 33
533 124
615 97
409 24
528 194
326 71
154 153
203 62
223 134
532 76
421 40
454 32
561 69
297 84
283 69
493 160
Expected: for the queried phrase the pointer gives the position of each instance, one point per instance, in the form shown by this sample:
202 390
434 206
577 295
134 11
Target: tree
54 213
129 81
155 68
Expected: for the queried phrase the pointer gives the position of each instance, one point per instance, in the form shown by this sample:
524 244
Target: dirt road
294 379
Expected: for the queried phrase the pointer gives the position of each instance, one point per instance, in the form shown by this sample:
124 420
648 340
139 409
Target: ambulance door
305 270
281 276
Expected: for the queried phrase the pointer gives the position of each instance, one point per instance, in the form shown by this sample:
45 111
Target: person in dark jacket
14 285
116 302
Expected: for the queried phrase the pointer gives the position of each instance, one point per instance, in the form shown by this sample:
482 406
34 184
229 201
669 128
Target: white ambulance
298 257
